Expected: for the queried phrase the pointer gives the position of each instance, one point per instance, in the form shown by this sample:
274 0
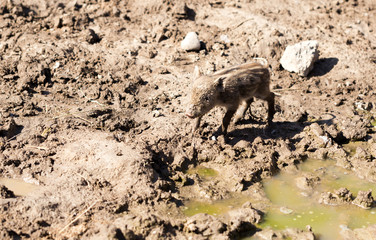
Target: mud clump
91 37
285 234
205 224
243 219
233 224
358 233
363 162
307 182
9 128
354 129
364 199
340 196
5 192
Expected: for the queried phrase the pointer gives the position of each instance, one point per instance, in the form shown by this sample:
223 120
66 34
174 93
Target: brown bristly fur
234 88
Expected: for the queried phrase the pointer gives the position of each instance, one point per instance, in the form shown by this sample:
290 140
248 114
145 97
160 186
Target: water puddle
216 208
18 187
352 146
292 209
203 172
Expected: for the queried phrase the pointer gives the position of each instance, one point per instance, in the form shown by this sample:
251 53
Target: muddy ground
92 99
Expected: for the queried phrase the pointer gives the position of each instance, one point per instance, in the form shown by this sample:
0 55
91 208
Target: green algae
214 208
325 220
203 172
291 207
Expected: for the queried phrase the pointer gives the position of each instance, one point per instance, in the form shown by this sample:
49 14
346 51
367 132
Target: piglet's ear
197 72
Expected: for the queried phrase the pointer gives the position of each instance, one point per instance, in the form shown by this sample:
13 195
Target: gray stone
191 42
300 57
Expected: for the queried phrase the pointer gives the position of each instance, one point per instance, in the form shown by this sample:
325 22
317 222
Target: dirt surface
92 101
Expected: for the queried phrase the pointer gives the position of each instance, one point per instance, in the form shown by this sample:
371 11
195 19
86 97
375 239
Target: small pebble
56 65
157 113
191 42
224 38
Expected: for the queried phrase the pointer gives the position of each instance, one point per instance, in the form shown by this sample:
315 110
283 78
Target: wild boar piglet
234 88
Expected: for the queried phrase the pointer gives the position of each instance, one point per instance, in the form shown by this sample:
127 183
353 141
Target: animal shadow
191 14
323 66
284 130
11 130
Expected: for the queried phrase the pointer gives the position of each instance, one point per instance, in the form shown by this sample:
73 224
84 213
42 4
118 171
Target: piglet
234 88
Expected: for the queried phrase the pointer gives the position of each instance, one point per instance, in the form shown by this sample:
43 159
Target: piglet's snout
189 112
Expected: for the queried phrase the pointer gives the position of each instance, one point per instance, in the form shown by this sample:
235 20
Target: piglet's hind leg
242 109
271 109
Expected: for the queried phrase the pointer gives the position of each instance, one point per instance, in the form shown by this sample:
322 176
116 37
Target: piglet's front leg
197 124
226 120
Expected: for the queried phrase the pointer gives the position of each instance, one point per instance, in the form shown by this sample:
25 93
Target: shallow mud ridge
92 101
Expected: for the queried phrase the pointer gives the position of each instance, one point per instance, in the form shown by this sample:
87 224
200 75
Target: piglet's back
241 67
249 79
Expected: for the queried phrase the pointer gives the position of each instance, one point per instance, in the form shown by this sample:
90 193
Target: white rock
224 38
360 105
325 139
157 113
56 65
191 42
300 57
